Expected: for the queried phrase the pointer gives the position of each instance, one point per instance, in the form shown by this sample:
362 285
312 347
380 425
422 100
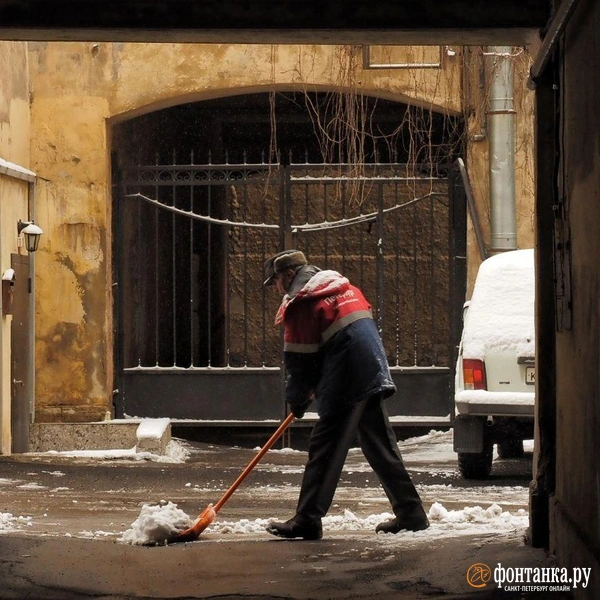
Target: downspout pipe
501 123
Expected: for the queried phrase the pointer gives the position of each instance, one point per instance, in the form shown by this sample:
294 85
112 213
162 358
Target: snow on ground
448 523
496 509
10 523
281 450
177 452
159 522
434 450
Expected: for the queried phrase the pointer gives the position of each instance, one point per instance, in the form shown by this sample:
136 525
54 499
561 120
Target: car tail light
474 374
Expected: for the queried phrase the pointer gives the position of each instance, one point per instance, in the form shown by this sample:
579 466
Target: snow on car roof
501 311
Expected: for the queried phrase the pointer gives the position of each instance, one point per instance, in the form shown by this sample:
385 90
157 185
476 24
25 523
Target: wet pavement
75 509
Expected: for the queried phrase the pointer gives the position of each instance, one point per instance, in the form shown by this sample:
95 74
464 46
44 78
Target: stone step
146 435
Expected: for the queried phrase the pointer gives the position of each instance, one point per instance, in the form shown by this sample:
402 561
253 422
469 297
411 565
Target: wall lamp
31 232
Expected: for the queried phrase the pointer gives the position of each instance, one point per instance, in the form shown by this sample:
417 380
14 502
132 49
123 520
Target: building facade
88 103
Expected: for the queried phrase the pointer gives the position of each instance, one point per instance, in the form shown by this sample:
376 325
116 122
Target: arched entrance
204 192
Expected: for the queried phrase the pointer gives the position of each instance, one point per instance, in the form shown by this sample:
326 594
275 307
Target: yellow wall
78 91
14 150
476 97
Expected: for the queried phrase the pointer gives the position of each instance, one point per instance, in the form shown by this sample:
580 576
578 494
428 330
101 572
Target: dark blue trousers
328 448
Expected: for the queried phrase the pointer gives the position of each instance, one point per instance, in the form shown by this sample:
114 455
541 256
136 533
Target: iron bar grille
195 238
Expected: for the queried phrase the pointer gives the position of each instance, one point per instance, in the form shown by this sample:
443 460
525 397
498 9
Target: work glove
298 410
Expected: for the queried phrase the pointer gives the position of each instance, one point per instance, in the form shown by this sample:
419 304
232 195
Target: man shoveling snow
333 353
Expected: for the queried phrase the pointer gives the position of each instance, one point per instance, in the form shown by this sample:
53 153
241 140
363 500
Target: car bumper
484 403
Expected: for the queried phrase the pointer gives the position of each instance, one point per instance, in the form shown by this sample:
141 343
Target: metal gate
194 335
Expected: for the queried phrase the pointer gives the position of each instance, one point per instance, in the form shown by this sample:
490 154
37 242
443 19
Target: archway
189 297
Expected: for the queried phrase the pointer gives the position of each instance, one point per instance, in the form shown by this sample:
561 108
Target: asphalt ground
76 509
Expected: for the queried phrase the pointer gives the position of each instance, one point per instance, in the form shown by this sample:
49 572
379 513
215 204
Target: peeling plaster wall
69 90
73 329
14 103
14 148
78 91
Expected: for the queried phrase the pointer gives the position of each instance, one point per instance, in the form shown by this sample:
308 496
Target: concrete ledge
153 435
146 435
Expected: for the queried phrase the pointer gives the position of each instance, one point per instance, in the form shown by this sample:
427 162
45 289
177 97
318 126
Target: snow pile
176 452
155 524
469 520
10 523
492 517
350 522
241 526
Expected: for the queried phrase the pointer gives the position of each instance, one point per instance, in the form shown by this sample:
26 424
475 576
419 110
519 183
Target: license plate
530 375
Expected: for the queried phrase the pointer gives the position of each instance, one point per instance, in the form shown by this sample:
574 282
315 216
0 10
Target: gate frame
233 379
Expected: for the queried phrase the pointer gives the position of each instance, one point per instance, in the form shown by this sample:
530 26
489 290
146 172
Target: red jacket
334 303
332 347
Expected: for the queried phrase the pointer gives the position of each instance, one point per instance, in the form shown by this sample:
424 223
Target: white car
495 372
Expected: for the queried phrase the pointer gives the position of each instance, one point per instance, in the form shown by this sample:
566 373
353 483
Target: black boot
415 520
297 527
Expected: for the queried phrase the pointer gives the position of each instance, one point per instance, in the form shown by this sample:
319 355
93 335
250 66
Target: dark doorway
20 354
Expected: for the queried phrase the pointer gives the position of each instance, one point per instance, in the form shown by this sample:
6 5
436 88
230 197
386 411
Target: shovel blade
193 532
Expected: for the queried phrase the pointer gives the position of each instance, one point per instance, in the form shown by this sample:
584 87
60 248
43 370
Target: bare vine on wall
351 140
433 126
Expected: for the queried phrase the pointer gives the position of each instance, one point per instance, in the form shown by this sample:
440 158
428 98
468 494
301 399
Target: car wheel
510 448
476 465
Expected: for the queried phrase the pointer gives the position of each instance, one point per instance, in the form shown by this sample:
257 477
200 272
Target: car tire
476 465
510 448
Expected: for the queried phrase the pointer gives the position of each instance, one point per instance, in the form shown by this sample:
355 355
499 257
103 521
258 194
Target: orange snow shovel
210 512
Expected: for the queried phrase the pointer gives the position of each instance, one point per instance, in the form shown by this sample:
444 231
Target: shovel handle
284 425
